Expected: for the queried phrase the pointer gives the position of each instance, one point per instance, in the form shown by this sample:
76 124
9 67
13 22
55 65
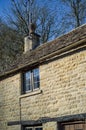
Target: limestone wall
9 101
63 85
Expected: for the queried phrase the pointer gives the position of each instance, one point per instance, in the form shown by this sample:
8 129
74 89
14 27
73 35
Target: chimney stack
33 40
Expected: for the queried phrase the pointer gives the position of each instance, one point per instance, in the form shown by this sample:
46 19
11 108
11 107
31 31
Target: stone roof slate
45 49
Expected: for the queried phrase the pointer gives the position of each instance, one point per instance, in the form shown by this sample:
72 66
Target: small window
33 128
28 128
31 80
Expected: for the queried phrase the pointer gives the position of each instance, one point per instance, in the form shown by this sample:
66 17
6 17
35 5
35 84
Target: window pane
36 71
28 128
36 78
36 85
38 128
27 81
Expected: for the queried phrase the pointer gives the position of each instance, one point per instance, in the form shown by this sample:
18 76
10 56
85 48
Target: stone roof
46 50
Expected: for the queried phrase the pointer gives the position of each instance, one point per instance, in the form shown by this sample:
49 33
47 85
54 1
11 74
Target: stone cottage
45 88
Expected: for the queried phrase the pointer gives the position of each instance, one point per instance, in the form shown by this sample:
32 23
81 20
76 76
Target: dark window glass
38 128
28 129
27 78
36 78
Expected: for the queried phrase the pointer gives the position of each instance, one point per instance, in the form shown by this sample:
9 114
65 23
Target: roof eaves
47 50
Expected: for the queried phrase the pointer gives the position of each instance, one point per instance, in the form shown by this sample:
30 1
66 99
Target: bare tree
75 12
17 27
42 16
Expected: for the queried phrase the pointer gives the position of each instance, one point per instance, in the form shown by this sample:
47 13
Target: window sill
32 93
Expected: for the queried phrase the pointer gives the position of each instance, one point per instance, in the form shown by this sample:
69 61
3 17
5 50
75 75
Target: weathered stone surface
63 85
50 126
9 101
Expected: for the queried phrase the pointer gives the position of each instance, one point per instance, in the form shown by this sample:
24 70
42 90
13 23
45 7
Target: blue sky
4 7
4 4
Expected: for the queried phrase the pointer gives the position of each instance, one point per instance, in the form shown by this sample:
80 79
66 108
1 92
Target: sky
4 7
4 4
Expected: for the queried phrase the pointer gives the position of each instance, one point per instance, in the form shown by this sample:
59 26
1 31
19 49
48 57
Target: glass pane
28 81
27 74
36 79
36 71
38 128
28 128
36 85
28 87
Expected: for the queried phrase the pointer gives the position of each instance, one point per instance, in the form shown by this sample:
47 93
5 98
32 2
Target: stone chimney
32 41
